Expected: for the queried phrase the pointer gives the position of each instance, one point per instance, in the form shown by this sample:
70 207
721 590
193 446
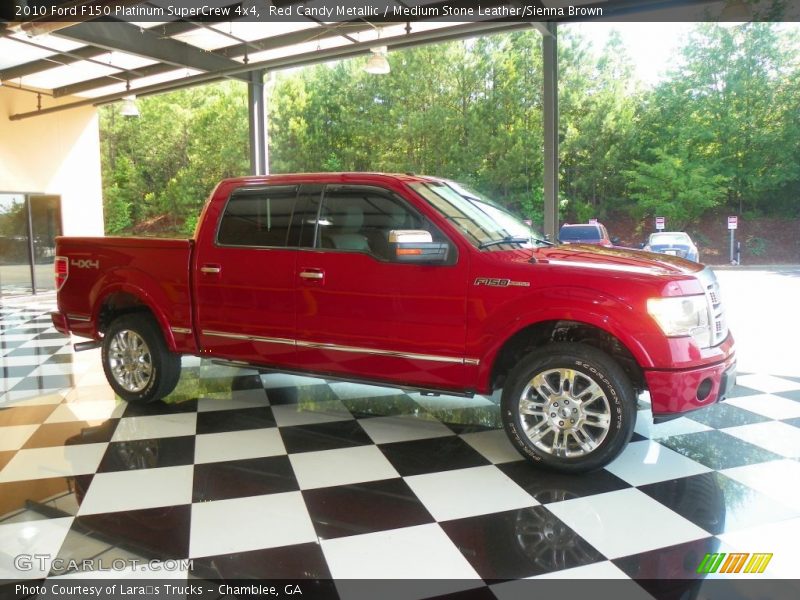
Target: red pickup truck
414 282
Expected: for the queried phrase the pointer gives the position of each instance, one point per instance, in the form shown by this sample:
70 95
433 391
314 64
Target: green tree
726 104
675 187
162 165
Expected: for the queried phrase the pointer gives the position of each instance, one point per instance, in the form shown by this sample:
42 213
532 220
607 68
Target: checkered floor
276 476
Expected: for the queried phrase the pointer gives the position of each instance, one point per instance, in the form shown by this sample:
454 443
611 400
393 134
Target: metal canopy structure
96 62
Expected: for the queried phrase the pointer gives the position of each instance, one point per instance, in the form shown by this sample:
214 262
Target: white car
676 243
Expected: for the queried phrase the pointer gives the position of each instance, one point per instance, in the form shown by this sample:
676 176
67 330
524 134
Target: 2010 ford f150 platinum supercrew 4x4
413 282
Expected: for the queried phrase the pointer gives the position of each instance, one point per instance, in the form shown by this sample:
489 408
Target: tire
137 363
562 429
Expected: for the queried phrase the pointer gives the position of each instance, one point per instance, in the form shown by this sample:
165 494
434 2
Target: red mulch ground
765 241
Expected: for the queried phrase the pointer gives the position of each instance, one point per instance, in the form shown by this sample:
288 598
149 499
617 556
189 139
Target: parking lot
763 314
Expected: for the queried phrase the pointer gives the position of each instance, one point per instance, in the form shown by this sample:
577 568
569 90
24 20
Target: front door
362 314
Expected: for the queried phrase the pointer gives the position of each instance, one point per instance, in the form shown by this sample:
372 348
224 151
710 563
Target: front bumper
673 393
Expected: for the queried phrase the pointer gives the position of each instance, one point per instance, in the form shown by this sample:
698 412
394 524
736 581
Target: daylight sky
652 46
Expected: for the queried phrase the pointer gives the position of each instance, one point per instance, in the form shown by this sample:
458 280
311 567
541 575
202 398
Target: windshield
485 223
574 233
657 239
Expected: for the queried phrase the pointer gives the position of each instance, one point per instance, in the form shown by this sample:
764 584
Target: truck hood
616 260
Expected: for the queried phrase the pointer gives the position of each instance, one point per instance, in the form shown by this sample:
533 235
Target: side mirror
642 245
615 240
417 246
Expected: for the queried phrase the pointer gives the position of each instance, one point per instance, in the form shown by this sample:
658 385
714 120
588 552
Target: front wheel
568 407
136 360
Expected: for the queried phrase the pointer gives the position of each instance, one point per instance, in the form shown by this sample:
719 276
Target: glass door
29 225
15 264
45 226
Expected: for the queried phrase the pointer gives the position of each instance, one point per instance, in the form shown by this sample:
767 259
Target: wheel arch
530 336
124 298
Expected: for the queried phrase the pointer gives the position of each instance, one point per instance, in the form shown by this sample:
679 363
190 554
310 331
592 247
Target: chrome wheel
547 541
564 413
130 360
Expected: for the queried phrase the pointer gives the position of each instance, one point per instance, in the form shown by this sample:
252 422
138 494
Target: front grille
716 310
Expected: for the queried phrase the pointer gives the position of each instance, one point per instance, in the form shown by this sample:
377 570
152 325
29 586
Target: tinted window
360 219
579 232
259 217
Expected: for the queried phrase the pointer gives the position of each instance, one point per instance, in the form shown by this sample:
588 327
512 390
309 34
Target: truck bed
116 270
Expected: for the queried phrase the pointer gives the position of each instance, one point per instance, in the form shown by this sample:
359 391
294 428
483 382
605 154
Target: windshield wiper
545 242
509 239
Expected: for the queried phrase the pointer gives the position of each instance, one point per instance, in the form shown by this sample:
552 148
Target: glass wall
45 226
29 225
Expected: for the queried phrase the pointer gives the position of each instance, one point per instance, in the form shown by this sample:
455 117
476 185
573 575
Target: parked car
675 243
586 233
412 282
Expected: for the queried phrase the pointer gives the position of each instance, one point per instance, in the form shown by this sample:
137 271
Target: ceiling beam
307 58
43 64
99 82
58 58
123 37
235 51
295 37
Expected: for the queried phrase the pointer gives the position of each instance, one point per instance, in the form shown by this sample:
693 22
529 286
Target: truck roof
342 177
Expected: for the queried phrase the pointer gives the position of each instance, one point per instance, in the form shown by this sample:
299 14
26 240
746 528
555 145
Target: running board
343 378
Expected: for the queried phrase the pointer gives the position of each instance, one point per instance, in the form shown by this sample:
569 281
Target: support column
550 114
257 111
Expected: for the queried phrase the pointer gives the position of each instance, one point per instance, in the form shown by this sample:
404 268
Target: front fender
631 327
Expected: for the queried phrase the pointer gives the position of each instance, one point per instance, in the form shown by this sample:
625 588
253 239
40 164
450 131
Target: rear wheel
568 407
136 360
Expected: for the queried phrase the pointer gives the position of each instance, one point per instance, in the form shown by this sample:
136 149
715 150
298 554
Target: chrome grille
716 310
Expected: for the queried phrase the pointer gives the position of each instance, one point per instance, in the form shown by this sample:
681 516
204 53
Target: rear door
246 277
361 313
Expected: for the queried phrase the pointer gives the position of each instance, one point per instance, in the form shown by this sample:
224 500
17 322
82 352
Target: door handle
312 275
210 269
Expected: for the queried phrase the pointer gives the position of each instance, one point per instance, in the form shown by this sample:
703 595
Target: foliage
676 187
719 130
168 160
756 246
729 106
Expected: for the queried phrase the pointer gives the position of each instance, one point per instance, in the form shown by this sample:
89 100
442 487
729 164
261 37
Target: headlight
682 316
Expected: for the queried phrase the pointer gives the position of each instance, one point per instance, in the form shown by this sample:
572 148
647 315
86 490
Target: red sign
733 222
660 222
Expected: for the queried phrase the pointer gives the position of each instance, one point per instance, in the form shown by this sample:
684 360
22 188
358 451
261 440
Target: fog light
704 389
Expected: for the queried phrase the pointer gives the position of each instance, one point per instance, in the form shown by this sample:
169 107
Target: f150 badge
492 282
84 263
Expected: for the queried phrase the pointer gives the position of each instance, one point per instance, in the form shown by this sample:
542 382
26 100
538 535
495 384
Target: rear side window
259 217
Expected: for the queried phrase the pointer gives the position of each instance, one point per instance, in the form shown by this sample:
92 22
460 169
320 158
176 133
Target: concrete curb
755 267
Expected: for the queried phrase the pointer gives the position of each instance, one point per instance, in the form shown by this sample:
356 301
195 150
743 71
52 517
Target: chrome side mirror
417 246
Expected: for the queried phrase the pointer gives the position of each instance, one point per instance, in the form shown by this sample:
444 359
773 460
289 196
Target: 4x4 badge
84 263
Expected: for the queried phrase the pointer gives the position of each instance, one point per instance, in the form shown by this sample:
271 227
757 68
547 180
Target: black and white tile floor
257 475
